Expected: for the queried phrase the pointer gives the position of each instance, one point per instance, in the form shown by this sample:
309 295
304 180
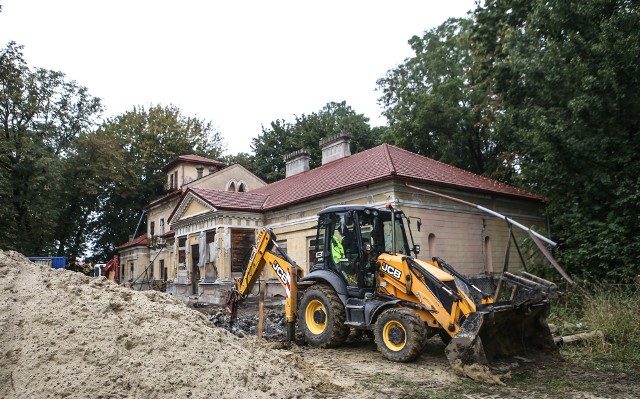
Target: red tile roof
231 200
196 159
174 193
141 240
377 164
168 234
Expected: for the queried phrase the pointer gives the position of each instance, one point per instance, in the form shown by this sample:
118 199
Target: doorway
195 269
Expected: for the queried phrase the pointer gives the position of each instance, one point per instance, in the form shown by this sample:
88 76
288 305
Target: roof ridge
387 154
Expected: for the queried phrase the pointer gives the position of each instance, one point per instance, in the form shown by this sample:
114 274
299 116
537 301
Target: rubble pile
274 326
63 334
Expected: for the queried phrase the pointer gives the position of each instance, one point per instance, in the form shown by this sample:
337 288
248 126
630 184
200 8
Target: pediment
191 206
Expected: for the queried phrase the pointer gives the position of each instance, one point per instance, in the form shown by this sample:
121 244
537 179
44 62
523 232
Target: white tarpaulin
213 251
226 238
202 246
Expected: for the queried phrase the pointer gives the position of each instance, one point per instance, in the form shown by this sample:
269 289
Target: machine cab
350 239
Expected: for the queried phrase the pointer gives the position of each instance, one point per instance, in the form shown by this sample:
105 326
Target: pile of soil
63 334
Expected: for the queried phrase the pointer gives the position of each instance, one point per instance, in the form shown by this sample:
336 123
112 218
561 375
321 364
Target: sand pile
63 334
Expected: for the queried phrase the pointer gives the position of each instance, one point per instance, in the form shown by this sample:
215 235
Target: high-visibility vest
337 251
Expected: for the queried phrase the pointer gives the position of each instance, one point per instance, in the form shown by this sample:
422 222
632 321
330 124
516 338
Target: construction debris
274 328
578 337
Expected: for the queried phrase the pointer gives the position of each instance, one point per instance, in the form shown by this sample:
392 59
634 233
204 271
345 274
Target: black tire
400 334
321 317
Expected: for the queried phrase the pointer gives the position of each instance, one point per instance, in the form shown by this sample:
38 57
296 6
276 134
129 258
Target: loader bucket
501 331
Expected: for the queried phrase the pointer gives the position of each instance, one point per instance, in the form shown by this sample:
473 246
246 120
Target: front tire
400 334
321 316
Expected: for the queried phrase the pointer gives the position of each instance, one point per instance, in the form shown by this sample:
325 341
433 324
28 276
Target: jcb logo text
280 272
396 273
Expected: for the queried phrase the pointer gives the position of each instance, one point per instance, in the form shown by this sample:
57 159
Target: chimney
200 169
335 147
297 162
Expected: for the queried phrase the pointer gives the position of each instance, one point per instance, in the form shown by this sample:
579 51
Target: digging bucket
502 331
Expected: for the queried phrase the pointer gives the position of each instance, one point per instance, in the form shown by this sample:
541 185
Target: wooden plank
263 286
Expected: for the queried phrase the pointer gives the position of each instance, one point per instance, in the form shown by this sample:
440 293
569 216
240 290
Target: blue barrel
56 262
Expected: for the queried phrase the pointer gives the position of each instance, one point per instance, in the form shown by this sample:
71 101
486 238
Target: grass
605 366
612 309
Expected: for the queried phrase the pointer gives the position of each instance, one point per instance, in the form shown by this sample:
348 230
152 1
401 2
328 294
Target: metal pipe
393 228
489 211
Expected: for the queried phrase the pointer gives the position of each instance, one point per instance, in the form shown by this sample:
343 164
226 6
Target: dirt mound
63 334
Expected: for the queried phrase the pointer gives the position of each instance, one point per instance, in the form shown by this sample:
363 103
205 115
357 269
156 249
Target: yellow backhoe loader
364 278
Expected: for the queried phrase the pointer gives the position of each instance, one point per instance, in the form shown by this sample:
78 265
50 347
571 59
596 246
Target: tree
140 142
435 105
566 74
282 138
41 114
92 167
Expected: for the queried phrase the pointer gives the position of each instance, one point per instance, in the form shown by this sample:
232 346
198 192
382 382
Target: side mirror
416 249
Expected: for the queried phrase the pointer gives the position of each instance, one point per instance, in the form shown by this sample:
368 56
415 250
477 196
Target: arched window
231 187
432 245
242 188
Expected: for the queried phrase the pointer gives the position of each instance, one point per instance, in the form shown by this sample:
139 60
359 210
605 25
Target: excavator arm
111 270
285 269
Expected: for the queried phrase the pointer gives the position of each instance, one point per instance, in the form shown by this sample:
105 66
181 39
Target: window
171 182
242 188
151 228
283 245
152 266
242 241
232 187
312 250
130 271
176 179
162 271
161 229
432 245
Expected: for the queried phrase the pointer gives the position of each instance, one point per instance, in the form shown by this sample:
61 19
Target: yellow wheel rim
316 317
394 335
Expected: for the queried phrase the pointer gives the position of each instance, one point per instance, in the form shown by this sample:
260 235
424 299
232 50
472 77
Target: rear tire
322 316
400 334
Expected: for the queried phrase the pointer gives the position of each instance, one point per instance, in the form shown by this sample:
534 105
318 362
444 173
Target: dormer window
239 186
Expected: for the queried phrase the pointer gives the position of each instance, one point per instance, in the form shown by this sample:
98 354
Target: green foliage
241 158
614 311
608 308
42 114
139 143
435 104
565 74
282 138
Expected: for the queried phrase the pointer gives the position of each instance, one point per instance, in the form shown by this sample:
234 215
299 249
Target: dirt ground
359 370
65 335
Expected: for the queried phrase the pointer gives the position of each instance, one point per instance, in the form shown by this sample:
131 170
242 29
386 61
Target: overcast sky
238 64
